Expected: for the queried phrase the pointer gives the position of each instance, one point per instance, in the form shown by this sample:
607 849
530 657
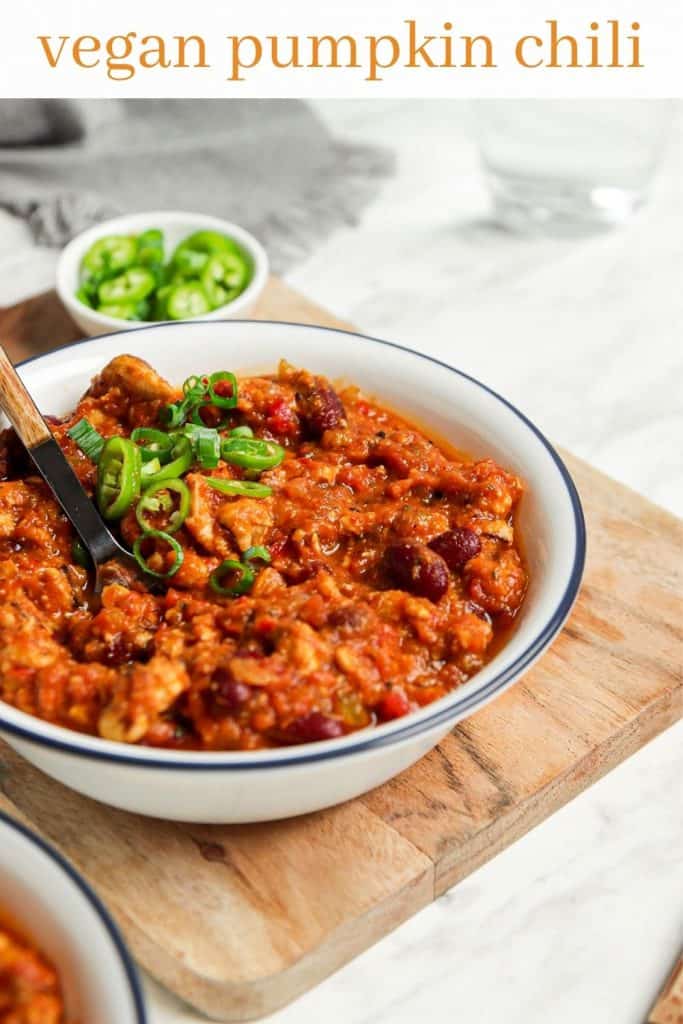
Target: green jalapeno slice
130 287
251 454
186 301
153 444
109 255
143 560
243 488
158 499
224 277
119 473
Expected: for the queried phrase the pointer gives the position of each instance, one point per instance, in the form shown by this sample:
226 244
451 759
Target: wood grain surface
669 1006
240 920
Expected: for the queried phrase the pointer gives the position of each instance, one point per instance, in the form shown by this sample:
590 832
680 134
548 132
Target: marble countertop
582 918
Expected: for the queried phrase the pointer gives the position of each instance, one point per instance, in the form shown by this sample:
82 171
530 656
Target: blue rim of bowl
98 906
373 739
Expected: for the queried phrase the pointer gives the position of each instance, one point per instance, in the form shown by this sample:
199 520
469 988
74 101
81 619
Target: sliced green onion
208 447
153 444
257 553
167 539
251 454
240 585
246 488
195 387
174 414
242 432
158 499
181 460
89 440
217 397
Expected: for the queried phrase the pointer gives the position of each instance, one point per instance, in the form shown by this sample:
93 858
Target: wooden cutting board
240 920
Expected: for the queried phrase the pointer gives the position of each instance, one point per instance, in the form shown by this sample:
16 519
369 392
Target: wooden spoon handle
19 407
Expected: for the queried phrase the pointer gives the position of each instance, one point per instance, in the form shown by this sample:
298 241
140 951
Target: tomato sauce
395 573
30 992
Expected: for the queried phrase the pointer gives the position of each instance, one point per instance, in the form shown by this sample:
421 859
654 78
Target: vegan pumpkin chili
310 564
30 992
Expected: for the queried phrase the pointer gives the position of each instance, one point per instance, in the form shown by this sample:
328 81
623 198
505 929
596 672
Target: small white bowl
176 227
60 913
228 787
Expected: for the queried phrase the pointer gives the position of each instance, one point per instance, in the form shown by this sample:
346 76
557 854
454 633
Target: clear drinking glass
569 165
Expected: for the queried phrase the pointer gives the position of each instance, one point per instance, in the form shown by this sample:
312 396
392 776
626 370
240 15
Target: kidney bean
323 410
314 726
417 569
232 694
456 546
394 705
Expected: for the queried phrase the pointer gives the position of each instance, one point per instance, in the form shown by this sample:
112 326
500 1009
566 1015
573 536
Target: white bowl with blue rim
56 910
269 784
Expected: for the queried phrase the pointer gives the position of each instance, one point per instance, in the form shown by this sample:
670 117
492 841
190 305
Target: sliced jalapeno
158 499
131 286
154 444
189 262
108 256
151 250
244 488
143 560
251 454
119 473
186 301
209 242
225 275
119 310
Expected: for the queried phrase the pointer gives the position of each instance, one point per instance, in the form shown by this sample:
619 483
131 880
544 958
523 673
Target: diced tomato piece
282 419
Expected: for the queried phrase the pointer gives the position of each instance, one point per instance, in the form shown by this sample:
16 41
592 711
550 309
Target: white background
25 72
579 922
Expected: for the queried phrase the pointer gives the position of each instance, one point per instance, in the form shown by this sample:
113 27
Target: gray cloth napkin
270 165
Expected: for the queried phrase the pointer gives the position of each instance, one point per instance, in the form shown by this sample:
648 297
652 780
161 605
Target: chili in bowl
62 959
323 584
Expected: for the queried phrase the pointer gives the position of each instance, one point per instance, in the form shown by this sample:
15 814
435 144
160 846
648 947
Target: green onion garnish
207 445
222 389
257 553
240 585
88 439
242 432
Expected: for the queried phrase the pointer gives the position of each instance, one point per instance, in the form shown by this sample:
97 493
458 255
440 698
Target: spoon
53 466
